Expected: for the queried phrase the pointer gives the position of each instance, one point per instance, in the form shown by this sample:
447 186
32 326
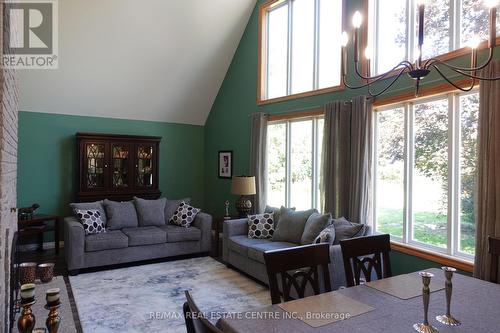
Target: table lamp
243 185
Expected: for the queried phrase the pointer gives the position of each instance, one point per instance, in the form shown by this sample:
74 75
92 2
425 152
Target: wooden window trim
440 258
310 113
262 60
451 55
425 92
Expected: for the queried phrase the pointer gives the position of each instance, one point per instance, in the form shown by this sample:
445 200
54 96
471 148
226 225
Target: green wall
228 125
47 157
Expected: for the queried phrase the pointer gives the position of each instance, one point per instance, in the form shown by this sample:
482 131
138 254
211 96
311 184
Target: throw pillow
314 225
97 205
345 230
291 226
121 214
277 212
91 221
326 235
171 207
261 225
184 215
150 212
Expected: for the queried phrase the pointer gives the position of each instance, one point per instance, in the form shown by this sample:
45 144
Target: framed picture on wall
226 164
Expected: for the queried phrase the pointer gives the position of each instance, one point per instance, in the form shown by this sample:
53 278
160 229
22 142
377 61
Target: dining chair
297 266
494 250
195 321
365 254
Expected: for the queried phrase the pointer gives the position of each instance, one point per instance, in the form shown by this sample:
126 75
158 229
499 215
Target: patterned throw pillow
261 225
327 235
184 215
91 220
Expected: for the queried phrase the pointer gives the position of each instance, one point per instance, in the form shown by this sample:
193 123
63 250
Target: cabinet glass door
95 165
144 166
120 163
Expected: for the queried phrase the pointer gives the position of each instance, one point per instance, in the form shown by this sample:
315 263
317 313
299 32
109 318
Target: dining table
475 303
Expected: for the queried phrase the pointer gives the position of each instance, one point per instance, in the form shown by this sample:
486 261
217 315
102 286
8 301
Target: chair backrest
297 267
494 250
365 254
195 320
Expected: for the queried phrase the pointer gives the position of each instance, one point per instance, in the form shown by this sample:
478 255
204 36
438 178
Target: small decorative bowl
27 272
46 272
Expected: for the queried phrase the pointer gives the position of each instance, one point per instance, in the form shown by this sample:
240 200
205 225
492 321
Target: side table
217 226
37 226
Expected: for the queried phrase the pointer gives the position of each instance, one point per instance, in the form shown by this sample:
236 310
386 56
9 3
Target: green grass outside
429 228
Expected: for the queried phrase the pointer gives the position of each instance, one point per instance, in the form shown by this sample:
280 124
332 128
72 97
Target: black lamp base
243 206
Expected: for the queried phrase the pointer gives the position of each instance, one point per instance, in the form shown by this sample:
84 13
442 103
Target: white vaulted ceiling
161 60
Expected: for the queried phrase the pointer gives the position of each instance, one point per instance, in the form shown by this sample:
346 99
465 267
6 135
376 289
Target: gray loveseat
247 254
133 244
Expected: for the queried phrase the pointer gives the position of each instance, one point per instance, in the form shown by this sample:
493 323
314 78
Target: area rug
149 298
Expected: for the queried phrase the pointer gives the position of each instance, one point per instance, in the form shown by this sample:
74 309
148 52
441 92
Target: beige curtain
488 169
258 160
346 179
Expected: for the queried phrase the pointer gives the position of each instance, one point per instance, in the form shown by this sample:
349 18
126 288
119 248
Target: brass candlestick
448 319
425 327
53 320
26 321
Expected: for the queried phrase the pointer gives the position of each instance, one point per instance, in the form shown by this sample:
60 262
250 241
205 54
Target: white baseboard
33 247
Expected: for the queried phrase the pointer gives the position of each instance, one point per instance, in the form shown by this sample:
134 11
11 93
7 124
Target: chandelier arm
388 86
452 83
373 79
432 61
477 77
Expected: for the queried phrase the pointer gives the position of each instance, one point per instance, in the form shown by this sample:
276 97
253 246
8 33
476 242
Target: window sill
440 258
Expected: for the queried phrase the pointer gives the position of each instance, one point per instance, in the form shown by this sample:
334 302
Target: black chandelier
419 69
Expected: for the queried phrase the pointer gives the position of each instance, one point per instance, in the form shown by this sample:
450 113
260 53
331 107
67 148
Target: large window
294 155
449 25
300 46
425 172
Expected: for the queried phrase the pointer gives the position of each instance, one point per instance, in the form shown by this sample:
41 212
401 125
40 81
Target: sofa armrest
203 221
232 228
74 243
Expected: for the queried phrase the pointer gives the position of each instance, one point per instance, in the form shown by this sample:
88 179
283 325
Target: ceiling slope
160 60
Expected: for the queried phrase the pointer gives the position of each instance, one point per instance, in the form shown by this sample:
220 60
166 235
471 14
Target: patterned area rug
149 298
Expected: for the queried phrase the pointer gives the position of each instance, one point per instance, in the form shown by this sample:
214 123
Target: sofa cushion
184 215
98 205
171 207
150 212
114 239
291 225
345 229
261 225
241 243
91 220
181 234
145 236
314 224
120 214
277 213
256 252
327 235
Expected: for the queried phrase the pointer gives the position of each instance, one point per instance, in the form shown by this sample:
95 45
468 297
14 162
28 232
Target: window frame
407 243
369 37
316 146
263 52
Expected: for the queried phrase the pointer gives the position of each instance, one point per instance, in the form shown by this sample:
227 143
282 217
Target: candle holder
448 319
53 320
27 320
425 327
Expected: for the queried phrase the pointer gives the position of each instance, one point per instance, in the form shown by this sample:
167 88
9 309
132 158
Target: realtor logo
31 39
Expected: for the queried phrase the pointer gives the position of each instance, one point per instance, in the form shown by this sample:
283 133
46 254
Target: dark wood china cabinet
117 167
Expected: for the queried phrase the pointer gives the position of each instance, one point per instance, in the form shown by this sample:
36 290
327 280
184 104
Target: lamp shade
243 185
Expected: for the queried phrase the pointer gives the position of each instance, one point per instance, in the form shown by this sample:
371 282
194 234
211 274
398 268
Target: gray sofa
133 244
247 254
